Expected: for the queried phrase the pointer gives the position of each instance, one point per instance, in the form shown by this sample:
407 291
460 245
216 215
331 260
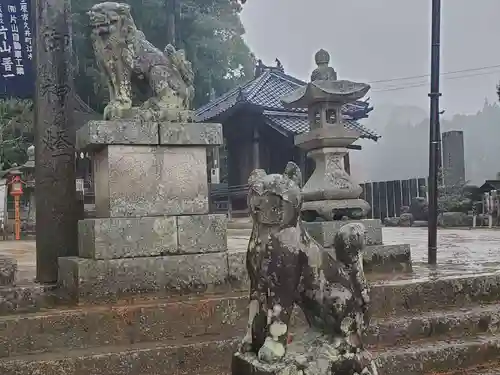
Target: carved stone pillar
329 180
54 138
330 193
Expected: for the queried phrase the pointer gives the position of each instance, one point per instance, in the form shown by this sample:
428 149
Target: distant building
490 185
259 132
453 158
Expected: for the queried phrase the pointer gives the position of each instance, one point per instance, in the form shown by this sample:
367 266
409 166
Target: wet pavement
25 254
460 251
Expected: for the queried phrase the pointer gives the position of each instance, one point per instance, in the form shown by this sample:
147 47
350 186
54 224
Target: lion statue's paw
112 111
245 345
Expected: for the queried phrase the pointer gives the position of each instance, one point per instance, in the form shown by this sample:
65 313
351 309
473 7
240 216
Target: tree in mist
16 131
210 31
403 150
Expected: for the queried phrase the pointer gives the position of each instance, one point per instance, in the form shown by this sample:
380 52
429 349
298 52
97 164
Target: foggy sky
383 39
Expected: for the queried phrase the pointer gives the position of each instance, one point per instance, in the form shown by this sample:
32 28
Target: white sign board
80 185
3 202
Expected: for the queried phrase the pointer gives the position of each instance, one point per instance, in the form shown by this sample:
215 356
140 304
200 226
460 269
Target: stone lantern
330 193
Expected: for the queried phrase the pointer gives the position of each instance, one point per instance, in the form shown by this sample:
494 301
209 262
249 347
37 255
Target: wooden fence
387 197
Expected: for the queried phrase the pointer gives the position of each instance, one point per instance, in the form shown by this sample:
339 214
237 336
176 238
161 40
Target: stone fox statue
124 56
287 266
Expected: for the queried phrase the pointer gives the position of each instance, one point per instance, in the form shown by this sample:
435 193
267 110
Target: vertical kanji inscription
55 138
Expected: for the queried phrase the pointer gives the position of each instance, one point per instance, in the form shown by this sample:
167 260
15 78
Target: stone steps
176 357
472 371
456 323
490 368
135 323
145 320
96 326
27 298
213 357
404 297
197 335
439 356
388 297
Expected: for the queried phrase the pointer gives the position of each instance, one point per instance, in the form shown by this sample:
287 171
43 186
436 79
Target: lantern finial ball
322 57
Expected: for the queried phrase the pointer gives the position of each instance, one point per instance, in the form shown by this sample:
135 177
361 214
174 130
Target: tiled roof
492 183
81 106
266 91
83 113
297 123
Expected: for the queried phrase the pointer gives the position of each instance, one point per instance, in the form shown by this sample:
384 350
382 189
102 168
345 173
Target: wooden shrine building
259 132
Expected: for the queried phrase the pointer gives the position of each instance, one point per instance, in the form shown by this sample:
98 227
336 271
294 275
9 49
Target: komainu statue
287 267
126 57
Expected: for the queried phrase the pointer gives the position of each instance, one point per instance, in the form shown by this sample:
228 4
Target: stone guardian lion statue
125 56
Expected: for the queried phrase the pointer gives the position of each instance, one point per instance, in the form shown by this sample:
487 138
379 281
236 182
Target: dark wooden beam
347 164
256 147
354 147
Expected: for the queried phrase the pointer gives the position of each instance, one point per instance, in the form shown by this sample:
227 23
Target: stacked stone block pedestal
152 232
377 257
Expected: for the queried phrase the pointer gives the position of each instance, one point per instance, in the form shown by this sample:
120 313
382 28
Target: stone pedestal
325 231
152 232
310 352
377 256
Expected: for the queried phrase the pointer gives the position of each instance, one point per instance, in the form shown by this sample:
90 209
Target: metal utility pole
56 204
434 132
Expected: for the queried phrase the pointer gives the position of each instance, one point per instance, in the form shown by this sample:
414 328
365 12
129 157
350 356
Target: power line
420 84
401 87
428 75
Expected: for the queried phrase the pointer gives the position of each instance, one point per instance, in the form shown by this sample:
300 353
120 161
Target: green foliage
210 31
454 198
16 131
212 34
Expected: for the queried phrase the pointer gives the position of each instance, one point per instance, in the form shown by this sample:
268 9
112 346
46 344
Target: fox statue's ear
292 171
124 9
256 176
